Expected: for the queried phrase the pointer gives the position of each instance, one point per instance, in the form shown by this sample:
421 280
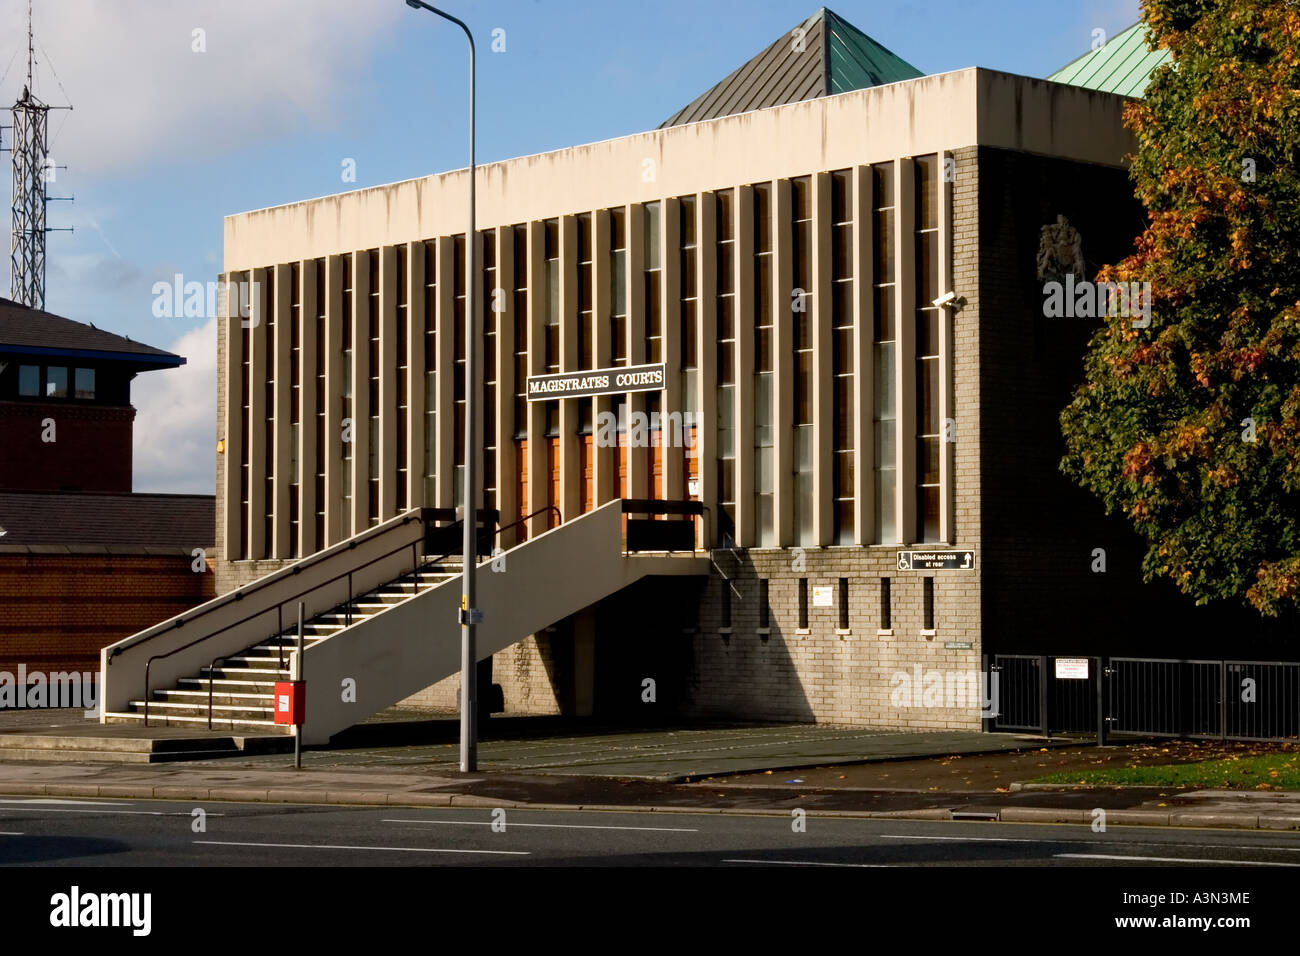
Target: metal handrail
278 609
442 557
663 506
252 587
501 530
559 517
690 508
416 566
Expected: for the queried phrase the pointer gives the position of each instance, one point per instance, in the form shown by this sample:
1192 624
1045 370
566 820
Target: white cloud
176 419
141 95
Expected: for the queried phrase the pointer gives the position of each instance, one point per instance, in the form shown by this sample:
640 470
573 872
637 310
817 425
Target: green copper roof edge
890 67
850 60
1123 65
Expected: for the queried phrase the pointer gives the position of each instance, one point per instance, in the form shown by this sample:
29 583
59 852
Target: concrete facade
642 220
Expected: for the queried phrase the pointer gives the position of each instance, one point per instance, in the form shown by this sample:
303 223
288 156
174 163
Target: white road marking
326 846
79 803
551 826
875 866
904 836
1108 842
9 833
139 813
1208 846
1167 859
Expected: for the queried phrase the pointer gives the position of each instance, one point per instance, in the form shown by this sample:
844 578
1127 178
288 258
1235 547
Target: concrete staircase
363 654
240 688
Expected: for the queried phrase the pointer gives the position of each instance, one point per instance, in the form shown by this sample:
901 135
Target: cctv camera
948 298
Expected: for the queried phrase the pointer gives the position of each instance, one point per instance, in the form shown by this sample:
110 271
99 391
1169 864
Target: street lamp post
468 611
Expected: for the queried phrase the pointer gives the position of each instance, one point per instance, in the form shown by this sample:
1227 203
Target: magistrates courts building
837 263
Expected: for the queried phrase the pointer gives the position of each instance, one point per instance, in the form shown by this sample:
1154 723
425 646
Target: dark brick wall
91 450
1039 529
646 631
58 610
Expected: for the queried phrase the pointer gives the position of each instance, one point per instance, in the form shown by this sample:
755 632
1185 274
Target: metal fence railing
1153 697
1019 692
1164 697
1261 700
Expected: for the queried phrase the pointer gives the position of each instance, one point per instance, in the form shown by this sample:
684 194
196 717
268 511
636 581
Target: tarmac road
110 833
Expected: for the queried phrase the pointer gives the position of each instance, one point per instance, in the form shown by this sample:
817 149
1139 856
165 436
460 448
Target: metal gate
1030 695
1151 697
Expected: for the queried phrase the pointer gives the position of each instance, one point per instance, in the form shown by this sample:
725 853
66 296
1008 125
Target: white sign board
1072 668
823 597
597 381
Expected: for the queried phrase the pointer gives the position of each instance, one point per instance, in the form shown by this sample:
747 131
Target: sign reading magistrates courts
597 381
936 560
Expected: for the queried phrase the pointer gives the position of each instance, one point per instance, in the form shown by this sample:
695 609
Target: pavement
549 763
666 753
526 744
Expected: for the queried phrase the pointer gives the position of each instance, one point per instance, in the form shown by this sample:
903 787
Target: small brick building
83 561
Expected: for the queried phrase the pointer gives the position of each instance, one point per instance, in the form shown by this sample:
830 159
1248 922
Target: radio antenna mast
33 170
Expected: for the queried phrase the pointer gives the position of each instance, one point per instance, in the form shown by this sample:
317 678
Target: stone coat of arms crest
1060 252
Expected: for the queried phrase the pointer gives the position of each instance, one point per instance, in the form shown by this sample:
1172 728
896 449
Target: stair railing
279 608
559 520
651 535
416 565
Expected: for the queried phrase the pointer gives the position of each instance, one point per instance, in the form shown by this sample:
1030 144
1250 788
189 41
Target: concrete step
252 673
254 662
273 648
218 697
116 756
137 744
176 720
107 740
160 708
226 686
337 620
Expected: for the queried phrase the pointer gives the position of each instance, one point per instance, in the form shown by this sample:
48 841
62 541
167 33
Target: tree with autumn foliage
1190 426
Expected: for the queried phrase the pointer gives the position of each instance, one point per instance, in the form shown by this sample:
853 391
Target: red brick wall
91 450
58 610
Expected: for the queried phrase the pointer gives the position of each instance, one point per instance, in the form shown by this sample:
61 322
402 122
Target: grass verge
1275 771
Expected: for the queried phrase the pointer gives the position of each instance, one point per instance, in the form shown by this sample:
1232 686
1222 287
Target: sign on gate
1072 668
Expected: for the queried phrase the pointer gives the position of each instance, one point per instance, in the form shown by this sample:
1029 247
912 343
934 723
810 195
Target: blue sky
165 140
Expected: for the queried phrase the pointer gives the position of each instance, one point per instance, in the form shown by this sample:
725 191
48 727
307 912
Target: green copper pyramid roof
1122 64
822 56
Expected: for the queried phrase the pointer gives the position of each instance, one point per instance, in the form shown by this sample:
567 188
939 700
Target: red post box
290 702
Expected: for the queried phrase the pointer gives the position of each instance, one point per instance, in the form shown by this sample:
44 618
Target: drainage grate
986 815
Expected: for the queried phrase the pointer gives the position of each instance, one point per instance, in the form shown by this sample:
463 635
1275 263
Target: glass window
29 380
618 281
651 239
928 373
56 382
884 414
85 383
803 311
